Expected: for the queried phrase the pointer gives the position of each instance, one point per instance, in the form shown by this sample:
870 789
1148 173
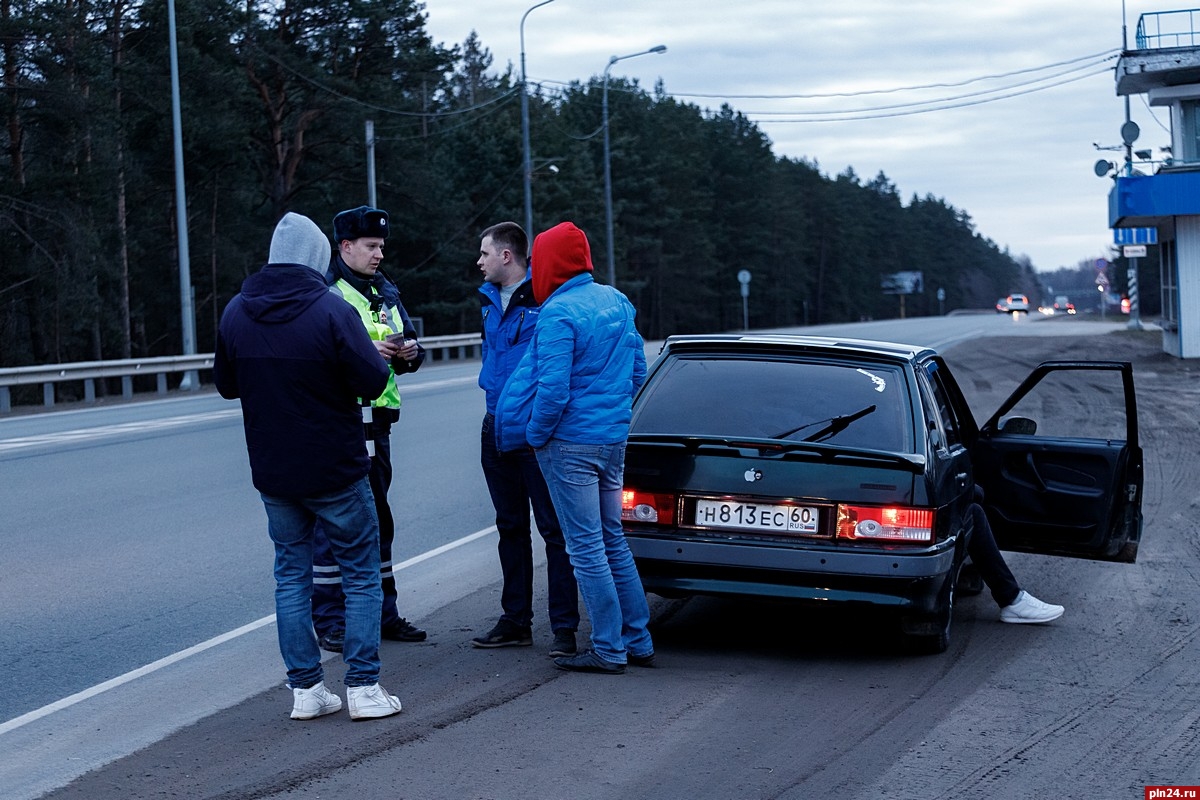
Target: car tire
970 582
931 635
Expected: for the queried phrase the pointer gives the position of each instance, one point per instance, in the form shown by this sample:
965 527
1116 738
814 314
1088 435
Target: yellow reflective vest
379 324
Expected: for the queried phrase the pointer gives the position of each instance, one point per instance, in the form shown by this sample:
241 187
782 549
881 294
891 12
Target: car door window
942 405
1070 404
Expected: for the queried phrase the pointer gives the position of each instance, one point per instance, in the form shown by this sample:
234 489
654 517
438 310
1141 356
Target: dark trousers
328 601
515 482
986 557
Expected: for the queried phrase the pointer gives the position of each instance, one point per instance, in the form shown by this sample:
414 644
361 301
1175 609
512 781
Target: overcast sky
1019 162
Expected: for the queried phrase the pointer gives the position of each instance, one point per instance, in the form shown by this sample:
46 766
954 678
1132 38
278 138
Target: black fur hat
359 222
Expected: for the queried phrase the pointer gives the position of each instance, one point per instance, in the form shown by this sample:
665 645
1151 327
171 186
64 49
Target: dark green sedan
841 471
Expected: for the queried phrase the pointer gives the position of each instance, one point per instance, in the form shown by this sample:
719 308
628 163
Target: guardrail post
48 395
127 387
5 400
162 382
89 391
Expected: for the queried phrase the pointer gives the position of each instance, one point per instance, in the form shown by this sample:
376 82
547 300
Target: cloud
1021 167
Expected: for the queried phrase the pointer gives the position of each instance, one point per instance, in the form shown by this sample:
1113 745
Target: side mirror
1019 426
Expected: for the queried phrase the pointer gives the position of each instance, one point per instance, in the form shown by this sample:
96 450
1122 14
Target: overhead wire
923 106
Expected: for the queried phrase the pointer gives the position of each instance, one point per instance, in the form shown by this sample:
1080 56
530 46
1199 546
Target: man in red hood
571 396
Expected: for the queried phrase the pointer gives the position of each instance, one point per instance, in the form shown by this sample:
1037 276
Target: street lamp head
662 48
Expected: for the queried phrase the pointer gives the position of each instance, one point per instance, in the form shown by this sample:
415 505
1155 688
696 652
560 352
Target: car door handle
1041 484
961 479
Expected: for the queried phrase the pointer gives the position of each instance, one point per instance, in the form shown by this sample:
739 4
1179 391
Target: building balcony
1167 53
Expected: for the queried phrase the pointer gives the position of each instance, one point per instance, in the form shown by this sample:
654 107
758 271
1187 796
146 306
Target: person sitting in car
1016 604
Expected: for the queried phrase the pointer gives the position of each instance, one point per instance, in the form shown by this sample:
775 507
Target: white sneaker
1028 609
314 701
371 702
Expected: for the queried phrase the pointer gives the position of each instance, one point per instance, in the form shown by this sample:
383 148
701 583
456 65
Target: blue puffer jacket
577 379
506 335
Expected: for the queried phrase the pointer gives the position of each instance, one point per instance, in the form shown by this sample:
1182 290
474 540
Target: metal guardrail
1164 29
441 348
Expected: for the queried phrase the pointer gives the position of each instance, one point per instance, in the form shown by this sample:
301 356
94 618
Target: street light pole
528 169
191 379
608 209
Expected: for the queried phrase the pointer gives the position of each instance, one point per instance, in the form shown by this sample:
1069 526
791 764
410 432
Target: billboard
911 282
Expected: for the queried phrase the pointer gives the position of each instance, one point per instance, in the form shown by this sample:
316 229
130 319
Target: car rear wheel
930 635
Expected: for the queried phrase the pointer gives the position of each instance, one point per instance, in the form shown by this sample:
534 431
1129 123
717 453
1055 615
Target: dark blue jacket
298 357
506 334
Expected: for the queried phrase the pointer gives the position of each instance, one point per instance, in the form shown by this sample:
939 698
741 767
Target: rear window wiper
695 442
831 426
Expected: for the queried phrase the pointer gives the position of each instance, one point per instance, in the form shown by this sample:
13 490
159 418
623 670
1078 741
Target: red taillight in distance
652 508
885 524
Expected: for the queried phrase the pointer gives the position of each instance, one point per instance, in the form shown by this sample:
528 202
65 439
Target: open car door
1060 464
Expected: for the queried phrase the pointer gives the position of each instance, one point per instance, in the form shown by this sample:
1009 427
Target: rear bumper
909 581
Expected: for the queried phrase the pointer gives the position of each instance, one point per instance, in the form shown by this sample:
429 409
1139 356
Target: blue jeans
515 482
348 519
329 603
585 481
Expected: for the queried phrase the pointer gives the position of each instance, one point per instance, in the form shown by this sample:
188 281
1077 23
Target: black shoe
333 641
402 631
641 661
564 644
505 634
588 661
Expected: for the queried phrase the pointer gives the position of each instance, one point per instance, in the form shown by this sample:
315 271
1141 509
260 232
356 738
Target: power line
1106 55
922 106
910 112
968 95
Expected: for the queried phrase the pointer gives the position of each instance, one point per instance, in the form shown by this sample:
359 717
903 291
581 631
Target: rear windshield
773 398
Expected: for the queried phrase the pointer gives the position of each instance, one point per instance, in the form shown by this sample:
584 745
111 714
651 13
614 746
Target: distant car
841 471
1017 302
1062 305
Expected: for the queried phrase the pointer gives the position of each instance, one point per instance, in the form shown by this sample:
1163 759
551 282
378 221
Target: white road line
77 435
91 434
174 658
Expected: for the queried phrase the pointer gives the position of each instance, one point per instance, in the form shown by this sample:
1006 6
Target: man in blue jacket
514 478
571 399
298 358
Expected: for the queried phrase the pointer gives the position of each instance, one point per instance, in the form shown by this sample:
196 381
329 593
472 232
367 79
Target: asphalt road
752 700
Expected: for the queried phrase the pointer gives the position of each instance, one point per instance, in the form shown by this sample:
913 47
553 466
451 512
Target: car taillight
651 507
887 524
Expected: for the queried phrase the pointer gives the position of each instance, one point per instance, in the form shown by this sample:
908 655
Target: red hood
559 254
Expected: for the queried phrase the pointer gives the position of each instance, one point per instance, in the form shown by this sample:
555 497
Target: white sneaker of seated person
1028 609
371 702
315 701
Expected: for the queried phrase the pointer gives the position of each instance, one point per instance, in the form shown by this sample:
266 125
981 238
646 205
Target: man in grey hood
298 359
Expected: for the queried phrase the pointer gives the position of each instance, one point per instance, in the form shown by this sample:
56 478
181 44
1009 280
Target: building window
1189 135
1169 274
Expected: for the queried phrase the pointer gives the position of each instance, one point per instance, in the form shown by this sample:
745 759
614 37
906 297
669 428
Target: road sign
1134 251
1135 235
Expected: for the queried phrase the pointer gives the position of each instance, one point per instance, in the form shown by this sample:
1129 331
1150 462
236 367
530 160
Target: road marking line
100 688
91 434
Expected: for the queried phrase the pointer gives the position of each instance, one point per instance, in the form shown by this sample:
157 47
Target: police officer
354 274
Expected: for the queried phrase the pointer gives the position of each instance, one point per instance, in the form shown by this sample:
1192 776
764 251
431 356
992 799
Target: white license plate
756 516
